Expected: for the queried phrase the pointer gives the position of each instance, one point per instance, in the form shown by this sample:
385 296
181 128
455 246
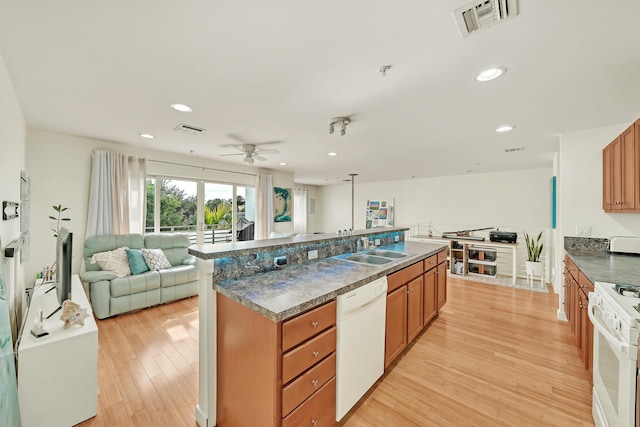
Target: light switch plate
396 238
313 254
377 242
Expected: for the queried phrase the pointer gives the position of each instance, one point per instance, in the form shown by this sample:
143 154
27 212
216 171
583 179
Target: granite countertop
281 294
220 250
605 267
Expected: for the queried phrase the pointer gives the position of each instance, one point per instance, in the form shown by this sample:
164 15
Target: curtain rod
200 167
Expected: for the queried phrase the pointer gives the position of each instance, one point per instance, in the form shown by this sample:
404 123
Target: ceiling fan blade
237 138
267 143
238 147
259 157
233 154
267 151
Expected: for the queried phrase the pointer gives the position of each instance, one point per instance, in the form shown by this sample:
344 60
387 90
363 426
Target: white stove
613 310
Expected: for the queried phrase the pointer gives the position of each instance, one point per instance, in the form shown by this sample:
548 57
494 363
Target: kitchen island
258 372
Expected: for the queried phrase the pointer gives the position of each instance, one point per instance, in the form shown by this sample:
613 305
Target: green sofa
111 295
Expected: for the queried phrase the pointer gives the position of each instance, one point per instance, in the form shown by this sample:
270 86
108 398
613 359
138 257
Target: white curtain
117 195
300 210
264 206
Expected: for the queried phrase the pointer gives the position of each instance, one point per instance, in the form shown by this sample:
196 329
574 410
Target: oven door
614 374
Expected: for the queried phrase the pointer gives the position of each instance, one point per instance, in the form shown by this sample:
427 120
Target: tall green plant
59 209
220 214
534 247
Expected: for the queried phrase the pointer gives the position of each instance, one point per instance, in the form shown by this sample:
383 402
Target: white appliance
360 320
613 310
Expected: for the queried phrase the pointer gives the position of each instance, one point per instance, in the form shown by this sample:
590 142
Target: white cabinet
58 374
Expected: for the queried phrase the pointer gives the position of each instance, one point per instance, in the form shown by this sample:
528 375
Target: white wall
60 170
12 160
580 183
580 192
514 200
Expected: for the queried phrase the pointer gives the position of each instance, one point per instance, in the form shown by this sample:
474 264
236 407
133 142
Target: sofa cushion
178 275
134 284
155 259
115 260
174 245
136 261
109 242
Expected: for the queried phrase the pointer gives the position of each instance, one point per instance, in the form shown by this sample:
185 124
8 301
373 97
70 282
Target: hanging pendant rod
201 167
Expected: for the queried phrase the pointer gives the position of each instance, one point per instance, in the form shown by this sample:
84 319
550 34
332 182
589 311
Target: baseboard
561 315
201 418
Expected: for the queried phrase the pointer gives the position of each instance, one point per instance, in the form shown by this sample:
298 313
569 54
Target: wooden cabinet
275 374
430 289
414 308
576 294
414 296
441 275
620 172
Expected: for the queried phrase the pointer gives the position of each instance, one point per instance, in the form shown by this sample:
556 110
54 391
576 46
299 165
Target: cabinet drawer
442 256
430 262
584 283
309 382
318 411
308 354
403 276
306 325
573 270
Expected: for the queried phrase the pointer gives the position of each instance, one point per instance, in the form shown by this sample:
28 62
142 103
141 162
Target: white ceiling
281 69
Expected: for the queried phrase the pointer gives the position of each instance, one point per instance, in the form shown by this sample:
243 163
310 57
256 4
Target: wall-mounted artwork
282 204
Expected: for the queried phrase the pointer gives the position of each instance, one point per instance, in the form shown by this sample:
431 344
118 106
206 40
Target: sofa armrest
96 276
189 261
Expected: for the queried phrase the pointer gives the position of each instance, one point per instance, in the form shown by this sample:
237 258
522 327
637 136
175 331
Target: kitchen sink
368 259
388 253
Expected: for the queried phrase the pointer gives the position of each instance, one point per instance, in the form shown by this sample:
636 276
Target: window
228 214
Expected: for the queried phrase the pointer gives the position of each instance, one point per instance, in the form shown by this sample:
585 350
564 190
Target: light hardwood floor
495 356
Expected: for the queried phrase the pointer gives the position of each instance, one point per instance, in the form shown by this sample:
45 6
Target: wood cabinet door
414 308
616 174
584 329
396 325
628 170
607 196
567 293
429 294
576 313
637 146
441 275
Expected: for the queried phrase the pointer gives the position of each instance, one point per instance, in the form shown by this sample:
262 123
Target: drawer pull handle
314 324
314 423
315 383
316 354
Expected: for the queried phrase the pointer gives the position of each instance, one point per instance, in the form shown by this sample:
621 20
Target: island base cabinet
396 325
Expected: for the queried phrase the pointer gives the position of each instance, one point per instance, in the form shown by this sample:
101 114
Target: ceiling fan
250 151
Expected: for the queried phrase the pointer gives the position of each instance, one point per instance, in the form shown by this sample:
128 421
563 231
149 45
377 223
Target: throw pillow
155 258
115 261
136 261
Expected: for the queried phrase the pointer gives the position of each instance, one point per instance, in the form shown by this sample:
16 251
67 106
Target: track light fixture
342 121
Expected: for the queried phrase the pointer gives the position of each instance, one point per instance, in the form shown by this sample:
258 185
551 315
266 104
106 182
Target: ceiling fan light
248 160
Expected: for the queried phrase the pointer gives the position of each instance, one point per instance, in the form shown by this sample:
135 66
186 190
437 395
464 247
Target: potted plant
534 249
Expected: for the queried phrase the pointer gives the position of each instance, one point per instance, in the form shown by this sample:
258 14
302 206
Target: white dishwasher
360 319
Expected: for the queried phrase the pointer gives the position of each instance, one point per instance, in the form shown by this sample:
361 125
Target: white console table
58 373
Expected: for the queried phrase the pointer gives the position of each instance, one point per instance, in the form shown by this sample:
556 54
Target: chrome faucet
365 243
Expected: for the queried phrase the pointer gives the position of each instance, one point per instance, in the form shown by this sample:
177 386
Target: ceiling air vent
513 150
192 130
482 14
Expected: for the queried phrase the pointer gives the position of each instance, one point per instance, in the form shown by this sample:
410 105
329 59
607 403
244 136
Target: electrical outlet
396 238
583 230
377 242
313 254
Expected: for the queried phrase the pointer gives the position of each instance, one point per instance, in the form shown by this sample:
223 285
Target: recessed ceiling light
505 128
490 74
283 163
333 153
182 107
146 135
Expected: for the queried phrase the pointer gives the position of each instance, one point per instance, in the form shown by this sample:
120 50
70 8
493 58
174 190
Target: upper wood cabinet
620 172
